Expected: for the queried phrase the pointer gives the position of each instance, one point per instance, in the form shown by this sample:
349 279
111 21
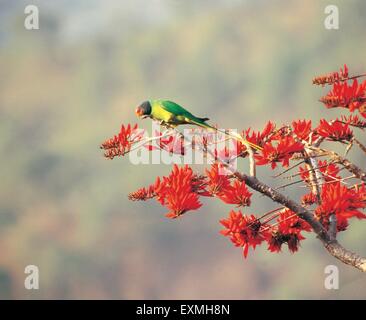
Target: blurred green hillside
68 86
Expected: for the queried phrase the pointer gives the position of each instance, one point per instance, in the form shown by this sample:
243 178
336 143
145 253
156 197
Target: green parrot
169 113
172 114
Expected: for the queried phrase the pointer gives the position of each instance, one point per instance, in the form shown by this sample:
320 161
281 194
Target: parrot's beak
139 112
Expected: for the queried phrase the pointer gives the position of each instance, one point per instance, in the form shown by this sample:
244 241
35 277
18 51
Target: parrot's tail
238 137
203 119
254 146
201 123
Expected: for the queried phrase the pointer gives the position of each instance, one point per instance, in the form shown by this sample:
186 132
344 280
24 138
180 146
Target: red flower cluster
344 95
237 193
354 121
180 191
308 199
302 129
288 230
244 231
334 131
217 181
332 77
177 191
343 202
220 185
120 144
143 194
247 231
352 97
282 152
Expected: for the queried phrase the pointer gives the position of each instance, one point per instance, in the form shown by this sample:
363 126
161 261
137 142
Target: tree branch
333 226
346 256
312 166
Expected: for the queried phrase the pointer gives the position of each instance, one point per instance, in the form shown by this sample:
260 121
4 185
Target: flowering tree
335 186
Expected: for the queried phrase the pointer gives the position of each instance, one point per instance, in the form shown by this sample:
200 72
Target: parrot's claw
165 124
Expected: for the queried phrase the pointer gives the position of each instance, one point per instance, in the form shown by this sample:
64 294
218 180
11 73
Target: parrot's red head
143 110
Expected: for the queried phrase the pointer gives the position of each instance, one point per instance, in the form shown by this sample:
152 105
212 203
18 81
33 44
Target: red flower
217 181
332 77
267 130
354 121
335 131
120 144
342 224
289 223
142 194
256 137
330 171
244 230
304 174
176 192
342 95
237 193
179 192
293 242
277 239
181 201
288 230
343 202
302 129
363 110
284 150
308 199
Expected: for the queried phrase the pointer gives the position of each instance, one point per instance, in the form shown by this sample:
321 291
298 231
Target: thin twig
288 169
149 139
362 147
335 180
306 171
348 148
288 184
358 172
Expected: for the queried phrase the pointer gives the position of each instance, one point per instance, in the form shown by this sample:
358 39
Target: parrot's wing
174 108
177 110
